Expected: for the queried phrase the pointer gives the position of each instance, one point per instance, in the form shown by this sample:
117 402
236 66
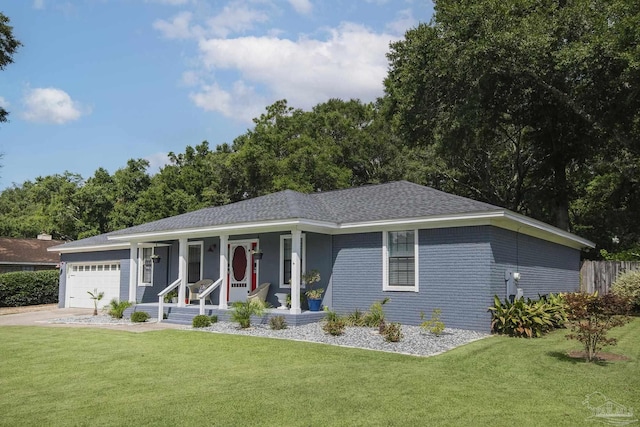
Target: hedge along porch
418 246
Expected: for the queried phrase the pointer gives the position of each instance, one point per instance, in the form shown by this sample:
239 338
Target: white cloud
351 63
51 105
303 7
4 103
38 4
156 162
241 102
178 28
235 18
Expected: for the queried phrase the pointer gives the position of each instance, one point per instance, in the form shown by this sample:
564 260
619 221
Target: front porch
184 315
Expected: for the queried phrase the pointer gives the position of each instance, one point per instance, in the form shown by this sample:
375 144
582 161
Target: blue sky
98 82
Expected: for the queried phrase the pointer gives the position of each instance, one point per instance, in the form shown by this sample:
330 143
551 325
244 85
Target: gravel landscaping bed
415 340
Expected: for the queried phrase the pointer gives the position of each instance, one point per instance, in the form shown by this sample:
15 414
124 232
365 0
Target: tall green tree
129 183
513 97
8 47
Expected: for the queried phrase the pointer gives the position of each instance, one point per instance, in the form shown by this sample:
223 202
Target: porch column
182 271
224 264
133 272
296 238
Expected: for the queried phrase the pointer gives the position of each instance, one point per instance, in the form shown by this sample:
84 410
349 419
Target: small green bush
434 325
278 322
393 332
528 318
139 316
214 319
201 321
627 285
334 327
242 312
375 316
22 288
117 309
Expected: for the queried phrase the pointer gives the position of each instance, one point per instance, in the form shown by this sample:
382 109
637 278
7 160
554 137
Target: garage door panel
92 277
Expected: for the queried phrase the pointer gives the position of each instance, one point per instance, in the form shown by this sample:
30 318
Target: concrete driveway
43 315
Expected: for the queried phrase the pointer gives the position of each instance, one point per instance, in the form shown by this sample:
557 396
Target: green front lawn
68 376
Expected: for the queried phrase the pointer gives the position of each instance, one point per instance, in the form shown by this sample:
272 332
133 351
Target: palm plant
95 296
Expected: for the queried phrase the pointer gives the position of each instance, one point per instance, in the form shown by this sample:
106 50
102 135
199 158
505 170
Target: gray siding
119 255
454 271
544 267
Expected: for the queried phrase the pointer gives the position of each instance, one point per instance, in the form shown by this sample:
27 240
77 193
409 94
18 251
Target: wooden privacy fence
600 275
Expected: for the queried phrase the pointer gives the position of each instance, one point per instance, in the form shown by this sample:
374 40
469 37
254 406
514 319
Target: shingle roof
389 201
32 251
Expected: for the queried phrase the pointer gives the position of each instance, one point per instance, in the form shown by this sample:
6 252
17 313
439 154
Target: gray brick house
420 247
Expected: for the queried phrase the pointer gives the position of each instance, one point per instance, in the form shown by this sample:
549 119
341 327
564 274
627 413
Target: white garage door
83 277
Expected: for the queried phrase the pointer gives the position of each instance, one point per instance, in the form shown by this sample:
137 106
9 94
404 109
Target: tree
129 183
8 47
514 97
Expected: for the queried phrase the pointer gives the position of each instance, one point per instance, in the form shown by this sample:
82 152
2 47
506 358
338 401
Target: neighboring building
28 254
420 247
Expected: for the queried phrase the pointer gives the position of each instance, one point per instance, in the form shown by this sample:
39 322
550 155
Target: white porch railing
161 295
204 294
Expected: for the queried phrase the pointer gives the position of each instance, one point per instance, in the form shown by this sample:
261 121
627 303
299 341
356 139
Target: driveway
43 315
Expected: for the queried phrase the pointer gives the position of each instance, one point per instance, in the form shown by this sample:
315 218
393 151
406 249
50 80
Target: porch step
185 315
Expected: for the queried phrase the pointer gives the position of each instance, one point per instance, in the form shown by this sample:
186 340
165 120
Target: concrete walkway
43 315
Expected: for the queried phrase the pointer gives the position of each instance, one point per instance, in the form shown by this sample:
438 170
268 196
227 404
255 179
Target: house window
400 263
194 262
146 267
285 259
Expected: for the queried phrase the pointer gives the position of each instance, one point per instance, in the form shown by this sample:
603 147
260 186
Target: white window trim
141 265
303 266
201 244
385 264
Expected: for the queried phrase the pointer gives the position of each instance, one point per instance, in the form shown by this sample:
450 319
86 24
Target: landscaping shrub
139 316
334 327
278 323
242 312
117 309
434 325
214 319
334 324
375 316
393 332
527 318
23 288
592 316
356 318
628 285
201 321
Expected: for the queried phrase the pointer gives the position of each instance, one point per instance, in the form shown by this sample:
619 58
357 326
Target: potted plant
314 296
171 297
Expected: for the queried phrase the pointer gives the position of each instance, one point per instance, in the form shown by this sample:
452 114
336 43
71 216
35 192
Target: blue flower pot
314 304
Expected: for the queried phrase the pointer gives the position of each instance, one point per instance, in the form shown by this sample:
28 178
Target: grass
67 376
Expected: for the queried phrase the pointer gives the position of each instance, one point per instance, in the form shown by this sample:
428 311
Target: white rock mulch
415 340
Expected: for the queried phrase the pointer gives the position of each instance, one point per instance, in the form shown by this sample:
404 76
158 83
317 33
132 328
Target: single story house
28 254
422 248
